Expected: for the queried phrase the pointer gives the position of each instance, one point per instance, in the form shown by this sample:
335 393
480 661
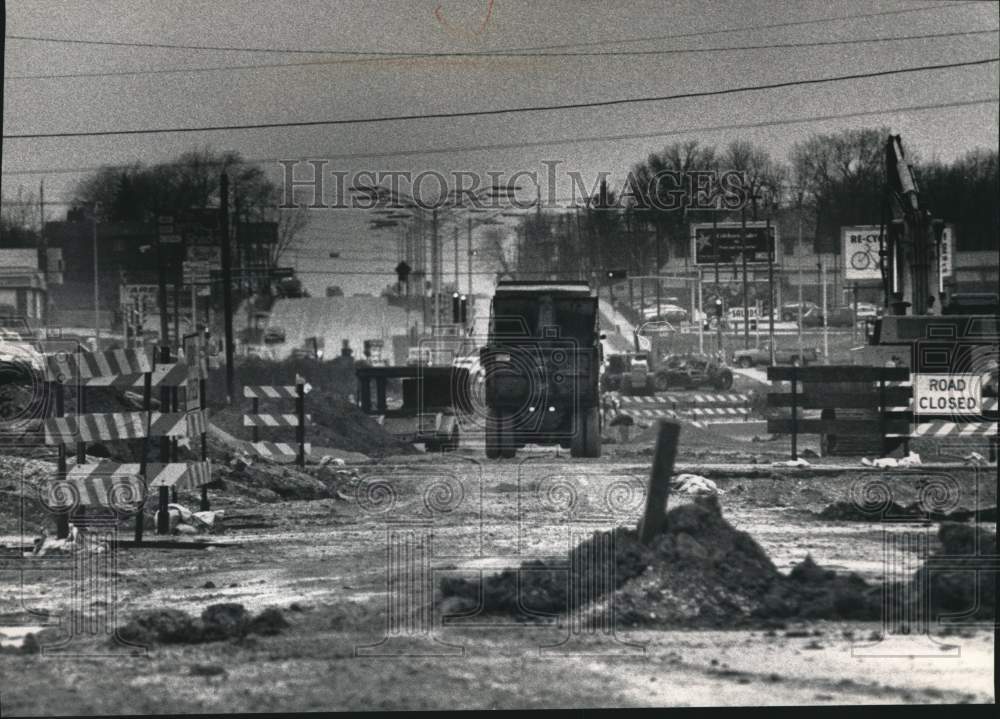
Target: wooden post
255 430
300 431
147 400
163 522
795 412
62 519
202 383
658 492
81 409
881 413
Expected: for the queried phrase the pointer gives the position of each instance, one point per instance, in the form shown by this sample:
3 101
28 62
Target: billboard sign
859 248
725 243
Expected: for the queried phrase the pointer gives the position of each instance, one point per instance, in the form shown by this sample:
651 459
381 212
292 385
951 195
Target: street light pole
469 249
97 302
746 292
435 277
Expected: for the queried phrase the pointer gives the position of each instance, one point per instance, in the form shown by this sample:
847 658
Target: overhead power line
610 53
505 110
544 143
327 51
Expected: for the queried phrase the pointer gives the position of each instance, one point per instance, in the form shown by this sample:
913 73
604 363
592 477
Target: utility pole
801 279
227 280
435 276
715 248
456 259
659 291
770 285
746 293
97 301
826 336
161 294
469 249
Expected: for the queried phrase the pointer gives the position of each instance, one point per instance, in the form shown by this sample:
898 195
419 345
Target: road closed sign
951 394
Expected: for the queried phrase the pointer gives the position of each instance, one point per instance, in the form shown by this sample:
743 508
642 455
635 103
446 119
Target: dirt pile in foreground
703 572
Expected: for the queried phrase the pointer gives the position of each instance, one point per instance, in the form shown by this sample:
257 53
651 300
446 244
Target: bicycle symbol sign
860 251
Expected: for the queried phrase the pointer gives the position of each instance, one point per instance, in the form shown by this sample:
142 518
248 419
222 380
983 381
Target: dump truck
541 364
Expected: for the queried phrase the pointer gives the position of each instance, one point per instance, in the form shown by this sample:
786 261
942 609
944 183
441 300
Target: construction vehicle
762 355
952 356
541 364
414 404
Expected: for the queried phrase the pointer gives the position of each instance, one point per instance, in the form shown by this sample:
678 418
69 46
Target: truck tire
627 385
593 435
661 383
578 443
746 362
827 442
725 381
507 447
494 438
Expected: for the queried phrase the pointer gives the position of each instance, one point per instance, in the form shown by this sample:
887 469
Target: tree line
829 181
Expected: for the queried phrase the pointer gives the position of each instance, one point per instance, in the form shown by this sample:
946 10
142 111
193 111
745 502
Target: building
333 320
23 289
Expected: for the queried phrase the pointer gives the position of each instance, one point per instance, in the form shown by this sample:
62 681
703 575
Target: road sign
860 250
197 273
951 394
725 243
946 249
205 253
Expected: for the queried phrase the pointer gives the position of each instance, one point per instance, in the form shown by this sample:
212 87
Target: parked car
841 317
790 311
18 357
762 355
691 372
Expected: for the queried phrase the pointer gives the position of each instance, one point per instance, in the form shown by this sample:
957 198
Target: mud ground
324 565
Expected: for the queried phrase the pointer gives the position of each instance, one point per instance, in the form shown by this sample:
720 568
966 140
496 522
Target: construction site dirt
524 579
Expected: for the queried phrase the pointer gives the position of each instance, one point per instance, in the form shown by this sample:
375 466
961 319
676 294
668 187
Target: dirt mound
702 572
336 423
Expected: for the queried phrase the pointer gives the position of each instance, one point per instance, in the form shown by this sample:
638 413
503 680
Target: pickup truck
762 355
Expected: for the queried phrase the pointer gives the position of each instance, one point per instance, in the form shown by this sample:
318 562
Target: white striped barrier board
279 449
170 374
299 419
701 398
95 481
273 420
72 366
288 391
954 429
718 411
123 425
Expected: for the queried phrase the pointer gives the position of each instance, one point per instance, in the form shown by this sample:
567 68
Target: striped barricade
704 408
67 367
274 450
942 428
298 420
122 426
100 484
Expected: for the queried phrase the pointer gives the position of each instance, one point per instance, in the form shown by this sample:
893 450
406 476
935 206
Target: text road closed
948 393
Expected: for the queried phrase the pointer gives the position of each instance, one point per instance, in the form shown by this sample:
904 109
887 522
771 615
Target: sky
352 86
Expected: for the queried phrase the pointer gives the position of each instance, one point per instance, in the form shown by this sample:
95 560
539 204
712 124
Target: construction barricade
298 420
102 484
